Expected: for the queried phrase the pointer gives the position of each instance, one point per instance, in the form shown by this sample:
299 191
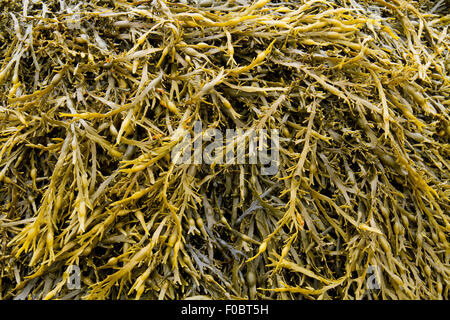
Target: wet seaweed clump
96 95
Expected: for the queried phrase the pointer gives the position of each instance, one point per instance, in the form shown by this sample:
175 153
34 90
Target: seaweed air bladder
95 96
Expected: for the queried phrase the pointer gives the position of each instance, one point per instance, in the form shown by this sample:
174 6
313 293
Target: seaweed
95 96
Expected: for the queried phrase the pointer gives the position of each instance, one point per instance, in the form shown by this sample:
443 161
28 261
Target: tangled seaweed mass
95 95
